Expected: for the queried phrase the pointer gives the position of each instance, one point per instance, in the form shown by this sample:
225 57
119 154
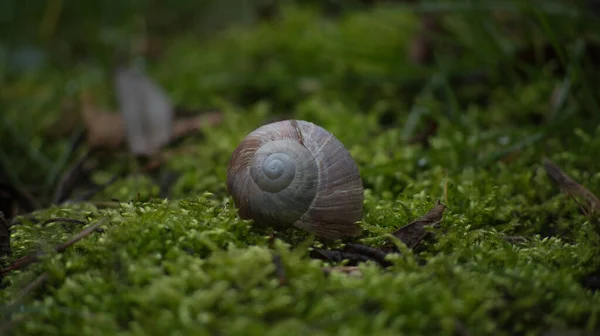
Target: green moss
189 265
193 266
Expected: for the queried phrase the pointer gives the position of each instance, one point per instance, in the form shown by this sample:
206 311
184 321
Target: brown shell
325 195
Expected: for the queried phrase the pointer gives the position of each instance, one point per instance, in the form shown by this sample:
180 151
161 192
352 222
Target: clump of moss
193 266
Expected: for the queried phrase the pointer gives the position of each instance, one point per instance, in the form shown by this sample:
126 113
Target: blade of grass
61 162
31 152
576 67
550 33
5 167
573 64
450 97
417 111
497 155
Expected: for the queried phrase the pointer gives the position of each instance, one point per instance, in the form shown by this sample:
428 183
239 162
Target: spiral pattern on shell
294 172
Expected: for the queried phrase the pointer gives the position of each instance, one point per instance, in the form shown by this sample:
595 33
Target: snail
295 173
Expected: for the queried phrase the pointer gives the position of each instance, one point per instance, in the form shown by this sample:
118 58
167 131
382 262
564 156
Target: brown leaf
107 130
104 129
413 233
568 186
185 126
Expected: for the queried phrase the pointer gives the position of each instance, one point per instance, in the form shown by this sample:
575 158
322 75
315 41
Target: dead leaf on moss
146 135
145 120
413 233
188 125
104 128
568 186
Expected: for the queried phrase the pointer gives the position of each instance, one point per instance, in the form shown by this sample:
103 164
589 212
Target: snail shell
296 173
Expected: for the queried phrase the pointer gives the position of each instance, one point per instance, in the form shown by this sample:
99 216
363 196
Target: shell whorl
296 173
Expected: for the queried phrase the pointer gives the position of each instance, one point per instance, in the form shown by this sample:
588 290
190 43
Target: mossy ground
189 265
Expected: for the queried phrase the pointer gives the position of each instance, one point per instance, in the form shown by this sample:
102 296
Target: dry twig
27 260
30 288
568 186
280 270
71 176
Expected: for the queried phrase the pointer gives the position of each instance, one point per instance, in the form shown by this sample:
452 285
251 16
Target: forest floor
493 112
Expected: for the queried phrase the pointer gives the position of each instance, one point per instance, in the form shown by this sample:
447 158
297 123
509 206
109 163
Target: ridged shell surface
294 172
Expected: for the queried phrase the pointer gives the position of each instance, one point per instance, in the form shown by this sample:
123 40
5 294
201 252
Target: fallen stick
568 186
27 260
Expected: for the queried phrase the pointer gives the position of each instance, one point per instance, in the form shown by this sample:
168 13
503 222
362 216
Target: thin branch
67 181
280 270
568 186
27 260
29 288
88 195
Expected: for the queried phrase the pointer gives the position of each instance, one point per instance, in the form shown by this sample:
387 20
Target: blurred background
523 67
